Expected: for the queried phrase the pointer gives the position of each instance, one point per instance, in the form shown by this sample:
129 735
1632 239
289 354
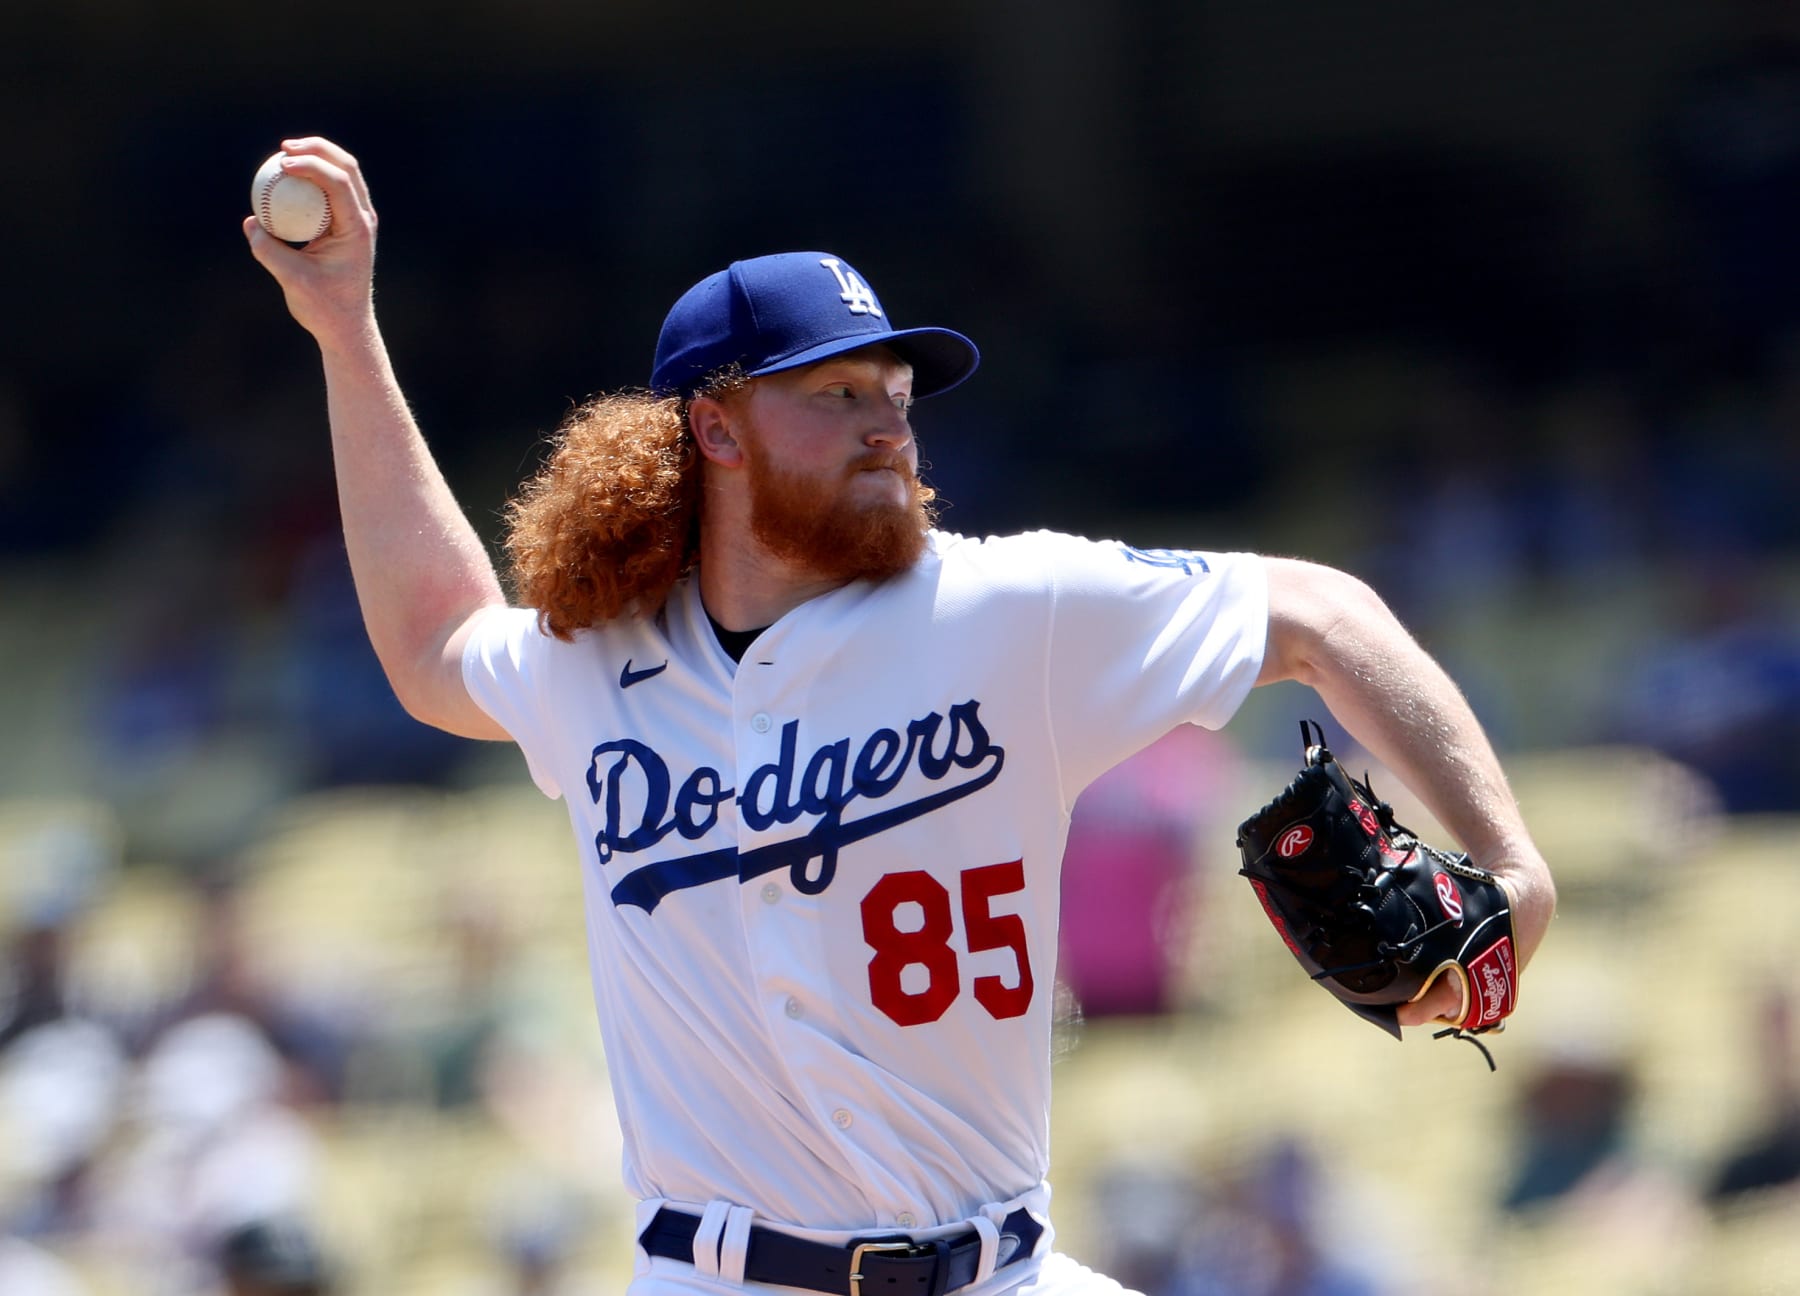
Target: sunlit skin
845 420
834 440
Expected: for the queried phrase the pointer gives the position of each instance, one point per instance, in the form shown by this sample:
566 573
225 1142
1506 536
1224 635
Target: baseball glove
1371 912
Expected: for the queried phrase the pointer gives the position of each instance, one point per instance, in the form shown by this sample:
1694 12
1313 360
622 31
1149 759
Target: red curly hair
612 520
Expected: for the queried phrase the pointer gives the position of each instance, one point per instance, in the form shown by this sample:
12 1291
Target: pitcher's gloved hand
1371 912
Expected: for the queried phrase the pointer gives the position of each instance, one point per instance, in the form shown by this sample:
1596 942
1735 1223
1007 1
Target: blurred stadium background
1495 305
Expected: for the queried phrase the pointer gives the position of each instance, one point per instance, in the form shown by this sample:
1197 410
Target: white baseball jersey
821 883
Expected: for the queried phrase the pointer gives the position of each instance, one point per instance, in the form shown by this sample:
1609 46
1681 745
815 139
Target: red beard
829 534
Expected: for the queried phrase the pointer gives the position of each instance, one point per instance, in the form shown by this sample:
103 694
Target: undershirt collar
735 642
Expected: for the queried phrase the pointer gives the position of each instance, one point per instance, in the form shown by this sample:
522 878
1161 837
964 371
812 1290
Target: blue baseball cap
779 312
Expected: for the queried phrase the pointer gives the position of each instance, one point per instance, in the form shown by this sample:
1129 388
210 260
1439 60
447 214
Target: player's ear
714 426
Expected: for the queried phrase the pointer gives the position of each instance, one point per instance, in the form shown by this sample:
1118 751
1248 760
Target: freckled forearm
418 563
1388 693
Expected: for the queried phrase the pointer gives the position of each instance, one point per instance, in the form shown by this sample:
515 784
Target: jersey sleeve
1144 639
505 665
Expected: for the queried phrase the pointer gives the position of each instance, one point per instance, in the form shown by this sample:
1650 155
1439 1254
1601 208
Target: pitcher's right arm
421 571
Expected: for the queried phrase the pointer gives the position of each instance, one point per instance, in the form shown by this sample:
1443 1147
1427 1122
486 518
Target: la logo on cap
853 292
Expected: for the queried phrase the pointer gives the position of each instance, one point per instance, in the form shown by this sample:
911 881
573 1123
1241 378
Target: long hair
611 521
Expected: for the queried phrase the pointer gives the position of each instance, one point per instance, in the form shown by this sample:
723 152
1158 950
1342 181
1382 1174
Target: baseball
288 207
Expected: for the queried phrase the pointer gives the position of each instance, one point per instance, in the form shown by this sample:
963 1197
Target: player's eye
842 390
902 403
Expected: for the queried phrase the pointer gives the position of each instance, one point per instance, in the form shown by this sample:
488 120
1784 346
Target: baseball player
818 755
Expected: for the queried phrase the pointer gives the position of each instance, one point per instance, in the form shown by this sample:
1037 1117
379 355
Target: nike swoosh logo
628 677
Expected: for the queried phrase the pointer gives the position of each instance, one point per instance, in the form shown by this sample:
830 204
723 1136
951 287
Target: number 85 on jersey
915 973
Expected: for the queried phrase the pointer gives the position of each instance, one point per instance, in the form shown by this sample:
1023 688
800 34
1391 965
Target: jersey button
771 893
906 1219
793 1007
760 722
842 1118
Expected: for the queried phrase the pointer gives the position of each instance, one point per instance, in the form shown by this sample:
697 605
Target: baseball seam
268 216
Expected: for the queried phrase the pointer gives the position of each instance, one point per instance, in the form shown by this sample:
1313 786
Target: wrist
1531 894
352 336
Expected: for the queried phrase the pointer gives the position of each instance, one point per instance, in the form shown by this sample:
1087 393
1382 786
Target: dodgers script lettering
641 804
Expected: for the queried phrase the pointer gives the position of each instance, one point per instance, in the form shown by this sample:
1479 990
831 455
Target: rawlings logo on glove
1371 912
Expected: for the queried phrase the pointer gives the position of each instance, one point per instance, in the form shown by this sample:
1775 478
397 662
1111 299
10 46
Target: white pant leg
1058 1275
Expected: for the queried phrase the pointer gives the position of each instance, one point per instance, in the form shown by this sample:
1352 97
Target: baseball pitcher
818 756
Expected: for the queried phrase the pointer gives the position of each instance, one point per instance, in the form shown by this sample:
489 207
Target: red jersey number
925 943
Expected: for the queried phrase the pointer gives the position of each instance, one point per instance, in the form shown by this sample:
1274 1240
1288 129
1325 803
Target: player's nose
889 428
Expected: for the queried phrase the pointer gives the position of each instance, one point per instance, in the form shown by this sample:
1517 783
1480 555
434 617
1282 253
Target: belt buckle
862 1249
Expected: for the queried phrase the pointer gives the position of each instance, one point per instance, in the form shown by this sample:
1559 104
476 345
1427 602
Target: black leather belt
891 1265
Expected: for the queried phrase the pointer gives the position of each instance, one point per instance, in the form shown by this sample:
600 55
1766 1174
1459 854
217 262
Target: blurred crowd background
1497 306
